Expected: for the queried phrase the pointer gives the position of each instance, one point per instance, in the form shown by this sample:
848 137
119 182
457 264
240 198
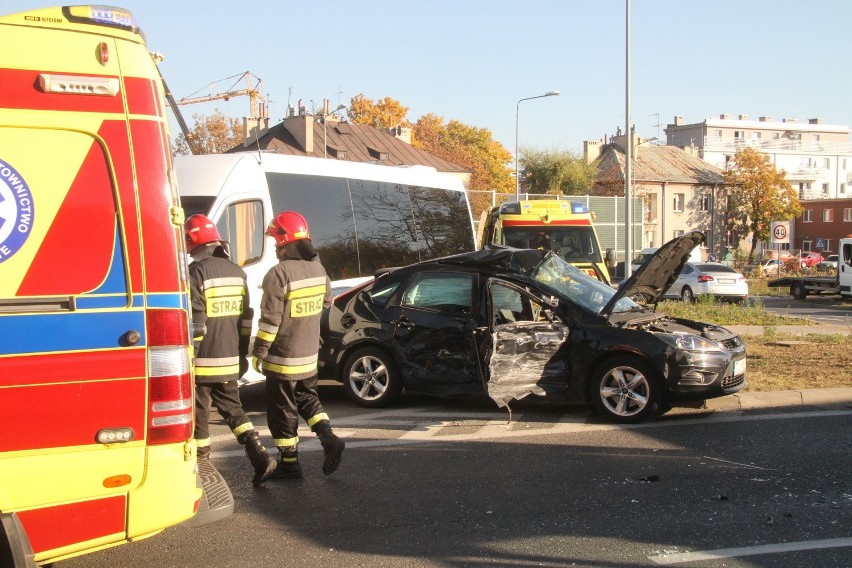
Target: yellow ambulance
96 386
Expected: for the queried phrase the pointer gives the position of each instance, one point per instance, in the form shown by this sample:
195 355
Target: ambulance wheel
371 379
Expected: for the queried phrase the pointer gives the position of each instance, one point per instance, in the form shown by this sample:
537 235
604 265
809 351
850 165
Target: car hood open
656 274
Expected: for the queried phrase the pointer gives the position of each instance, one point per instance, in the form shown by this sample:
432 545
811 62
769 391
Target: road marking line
667 559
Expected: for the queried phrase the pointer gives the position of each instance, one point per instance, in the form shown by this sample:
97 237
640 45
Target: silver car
829 263
700 278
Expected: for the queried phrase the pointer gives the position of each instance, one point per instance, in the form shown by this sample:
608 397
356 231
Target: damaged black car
508 323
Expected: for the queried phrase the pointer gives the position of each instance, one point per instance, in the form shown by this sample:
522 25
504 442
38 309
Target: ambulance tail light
170 396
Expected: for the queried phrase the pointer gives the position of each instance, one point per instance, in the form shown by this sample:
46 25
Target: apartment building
817 157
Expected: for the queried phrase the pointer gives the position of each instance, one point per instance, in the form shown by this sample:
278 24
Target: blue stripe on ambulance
44 333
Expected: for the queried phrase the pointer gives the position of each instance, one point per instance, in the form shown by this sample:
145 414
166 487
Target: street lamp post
517 112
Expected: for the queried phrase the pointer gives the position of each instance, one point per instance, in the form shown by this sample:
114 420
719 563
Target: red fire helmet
200 230
288 227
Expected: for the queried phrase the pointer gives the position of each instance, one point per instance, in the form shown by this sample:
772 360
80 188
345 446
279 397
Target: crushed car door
528 343
434 331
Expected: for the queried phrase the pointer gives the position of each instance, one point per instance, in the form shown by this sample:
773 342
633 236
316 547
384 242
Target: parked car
829 263
809 259
702 278
768 266
513 322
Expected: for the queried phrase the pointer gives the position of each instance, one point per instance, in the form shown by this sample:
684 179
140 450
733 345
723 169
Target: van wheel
626 390
686 295
371 379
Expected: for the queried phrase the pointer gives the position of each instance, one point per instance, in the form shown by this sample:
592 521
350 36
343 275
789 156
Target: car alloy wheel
625 390
370 378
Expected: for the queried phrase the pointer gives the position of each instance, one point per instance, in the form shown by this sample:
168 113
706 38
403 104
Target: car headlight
689 342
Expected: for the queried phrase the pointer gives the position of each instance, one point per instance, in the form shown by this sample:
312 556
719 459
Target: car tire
371 379
798 291
686 295
625 390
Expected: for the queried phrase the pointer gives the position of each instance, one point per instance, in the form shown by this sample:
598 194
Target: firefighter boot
332 447
288 465
263 463
203 453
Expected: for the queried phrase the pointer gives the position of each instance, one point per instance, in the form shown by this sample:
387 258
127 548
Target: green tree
213 134
759 194
556 172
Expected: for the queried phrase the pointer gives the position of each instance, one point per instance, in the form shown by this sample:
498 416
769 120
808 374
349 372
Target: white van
362 217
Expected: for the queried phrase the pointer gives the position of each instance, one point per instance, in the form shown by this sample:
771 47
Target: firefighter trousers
226 398
285 402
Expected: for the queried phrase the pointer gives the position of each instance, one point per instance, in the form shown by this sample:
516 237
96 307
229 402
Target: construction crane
254 91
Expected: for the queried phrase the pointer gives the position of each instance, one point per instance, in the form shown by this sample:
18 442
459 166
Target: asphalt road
826 309
435 483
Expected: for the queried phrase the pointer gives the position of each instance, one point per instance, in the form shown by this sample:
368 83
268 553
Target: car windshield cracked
566 280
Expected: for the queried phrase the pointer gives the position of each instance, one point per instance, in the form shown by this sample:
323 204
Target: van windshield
574 244
358 226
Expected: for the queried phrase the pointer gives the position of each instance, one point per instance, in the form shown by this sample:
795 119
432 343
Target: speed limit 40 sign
780 232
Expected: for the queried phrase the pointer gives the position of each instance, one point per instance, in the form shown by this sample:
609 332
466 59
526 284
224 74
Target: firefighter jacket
295 292
221 316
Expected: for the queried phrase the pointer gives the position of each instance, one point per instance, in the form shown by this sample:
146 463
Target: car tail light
170 396
705 278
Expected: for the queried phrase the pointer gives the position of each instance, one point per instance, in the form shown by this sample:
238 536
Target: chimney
591 150
814 121
788 120
302 129
765 119
678 121
725 116
253 129
743 117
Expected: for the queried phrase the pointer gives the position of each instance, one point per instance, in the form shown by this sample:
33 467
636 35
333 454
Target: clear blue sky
472 60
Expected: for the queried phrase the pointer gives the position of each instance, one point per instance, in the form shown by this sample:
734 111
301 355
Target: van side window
242 227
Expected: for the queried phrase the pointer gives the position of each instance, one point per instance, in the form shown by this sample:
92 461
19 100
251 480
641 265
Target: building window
842 188
717 133
825 190
739 134
807 246
827 215
704 203
651 208
826 163
816 137
808 216
678 202
677 233
847 214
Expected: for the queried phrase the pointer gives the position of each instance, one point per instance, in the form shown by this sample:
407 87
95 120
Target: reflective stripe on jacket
294 295
221 317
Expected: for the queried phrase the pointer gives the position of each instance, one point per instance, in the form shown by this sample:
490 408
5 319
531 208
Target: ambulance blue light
511 207
578 207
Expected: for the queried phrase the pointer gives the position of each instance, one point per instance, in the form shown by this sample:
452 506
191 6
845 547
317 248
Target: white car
700 278
829 263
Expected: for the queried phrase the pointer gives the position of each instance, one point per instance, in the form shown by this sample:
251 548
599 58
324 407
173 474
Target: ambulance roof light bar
103 16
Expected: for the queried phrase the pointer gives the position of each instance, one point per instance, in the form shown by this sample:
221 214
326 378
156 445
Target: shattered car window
578 286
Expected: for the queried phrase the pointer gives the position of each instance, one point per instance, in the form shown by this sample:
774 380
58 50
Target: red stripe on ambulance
61 367
79 521
142 96
20 90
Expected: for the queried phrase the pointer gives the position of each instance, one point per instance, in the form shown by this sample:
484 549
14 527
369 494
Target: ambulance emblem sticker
16 211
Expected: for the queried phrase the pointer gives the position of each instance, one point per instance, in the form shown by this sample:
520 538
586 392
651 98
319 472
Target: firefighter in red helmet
286 347
221 327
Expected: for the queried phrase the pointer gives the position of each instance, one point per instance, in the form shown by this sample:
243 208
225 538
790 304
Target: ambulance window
242 227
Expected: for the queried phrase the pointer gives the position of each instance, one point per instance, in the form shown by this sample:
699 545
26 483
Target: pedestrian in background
286 347
221 327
